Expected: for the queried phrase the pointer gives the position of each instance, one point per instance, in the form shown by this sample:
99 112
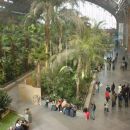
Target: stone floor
116 119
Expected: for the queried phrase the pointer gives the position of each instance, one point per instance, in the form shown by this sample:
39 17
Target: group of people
24 122
123 95
111 61
62 105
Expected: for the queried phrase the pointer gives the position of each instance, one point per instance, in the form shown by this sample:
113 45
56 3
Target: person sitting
18 125
67 109
58 105
64 104
25 124
53 106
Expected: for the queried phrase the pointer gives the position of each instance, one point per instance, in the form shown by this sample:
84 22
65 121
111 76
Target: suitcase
67 112
72 113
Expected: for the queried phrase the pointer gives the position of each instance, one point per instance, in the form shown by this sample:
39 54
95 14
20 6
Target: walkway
116 119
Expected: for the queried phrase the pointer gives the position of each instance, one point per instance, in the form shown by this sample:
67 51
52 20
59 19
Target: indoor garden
58 45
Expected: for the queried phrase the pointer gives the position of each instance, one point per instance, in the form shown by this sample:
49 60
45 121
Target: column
128 30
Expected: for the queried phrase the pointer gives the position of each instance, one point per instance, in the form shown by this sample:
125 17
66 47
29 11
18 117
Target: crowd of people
122 95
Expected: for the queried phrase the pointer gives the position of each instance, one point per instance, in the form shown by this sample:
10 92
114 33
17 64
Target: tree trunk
47 34
26 65
60 39
60 45
78 77
1 51
38 75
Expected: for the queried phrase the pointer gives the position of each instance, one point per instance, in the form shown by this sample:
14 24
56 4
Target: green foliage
16 43
8 121
5 100
60 84
38 54
78 102
2 77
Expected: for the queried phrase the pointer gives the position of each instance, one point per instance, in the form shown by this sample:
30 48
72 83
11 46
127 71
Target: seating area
63 106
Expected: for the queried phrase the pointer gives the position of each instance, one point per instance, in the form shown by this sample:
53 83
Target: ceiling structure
115 7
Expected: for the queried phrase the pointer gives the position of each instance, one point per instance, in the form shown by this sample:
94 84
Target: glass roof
23 6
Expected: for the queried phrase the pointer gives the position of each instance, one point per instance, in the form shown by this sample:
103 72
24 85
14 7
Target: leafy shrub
5 100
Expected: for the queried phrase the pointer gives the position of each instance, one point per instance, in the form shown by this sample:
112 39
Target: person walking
93 108
28 117
119 88
114 96
120 98
126 99
107 95
113 87
108 88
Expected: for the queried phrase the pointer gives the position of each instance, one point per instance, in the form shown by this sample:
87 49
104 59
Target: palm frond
60 59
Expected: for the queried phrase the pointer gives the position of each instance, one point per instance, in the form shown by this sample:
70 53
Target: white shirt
119 89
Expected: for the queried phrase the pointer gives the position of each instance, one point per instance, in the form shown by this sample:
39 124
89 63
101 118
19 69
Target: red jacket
107 94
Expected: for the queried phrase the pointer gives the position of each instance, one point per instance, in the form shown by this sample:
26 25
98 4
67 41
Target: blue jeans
93 115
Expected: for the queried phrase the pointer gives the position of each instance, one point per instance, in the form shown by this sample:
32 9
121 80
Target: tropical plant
52 13
38 56
60 84
5 100
15 45
86 51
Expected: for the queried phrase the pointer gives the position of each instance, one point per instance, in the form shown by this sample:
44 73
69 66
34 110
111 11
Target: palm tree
87 50
38 56
45 9
67 21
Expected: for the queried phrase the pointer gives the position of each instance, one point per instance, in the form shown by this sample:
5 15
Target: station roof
115 7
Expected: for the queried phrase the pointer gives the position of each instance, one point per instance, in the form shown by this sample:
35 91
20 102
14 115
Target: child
86 113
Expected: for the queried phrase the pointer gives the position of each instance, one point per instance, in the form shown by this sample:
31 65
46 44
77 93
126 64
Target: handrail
12 84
